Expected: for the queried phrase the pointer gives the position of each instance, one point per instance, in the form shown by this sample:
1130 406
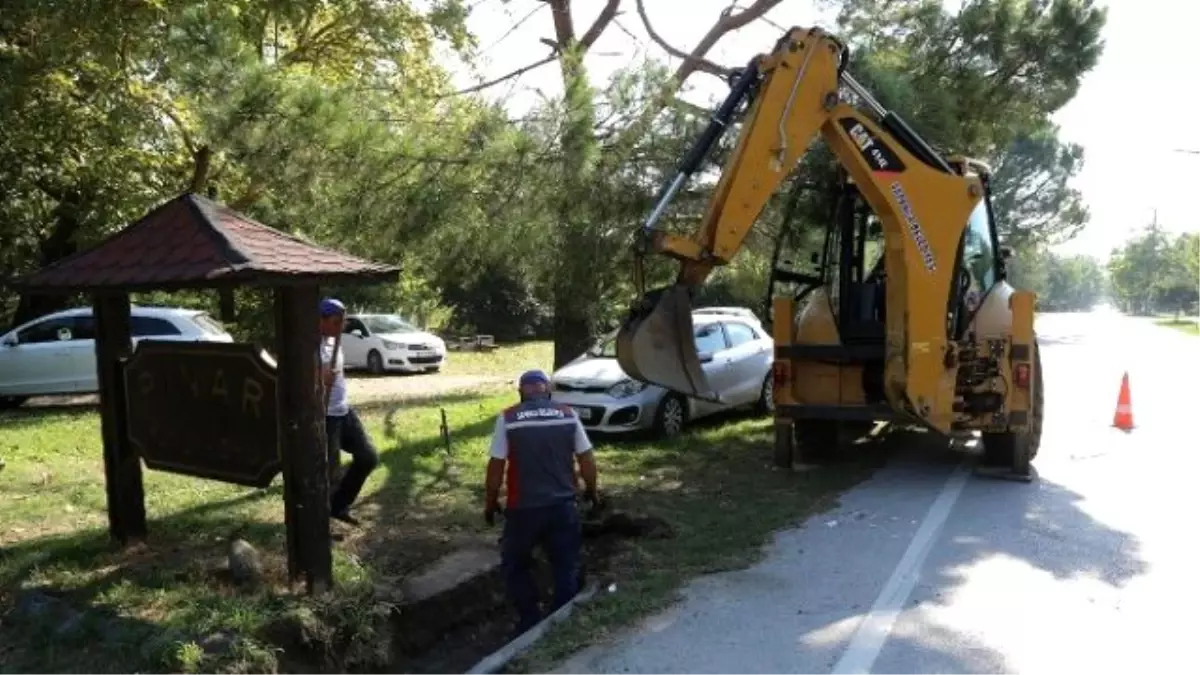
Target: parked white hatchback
386 342
56 354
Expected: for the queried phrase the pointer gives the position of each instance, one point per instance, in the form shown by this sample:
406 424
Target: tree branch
602 20
503 78
183 131
698 62
726 23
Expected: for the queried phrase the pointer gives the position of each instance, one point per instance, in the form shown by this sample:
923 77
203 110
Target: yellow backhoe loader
933 336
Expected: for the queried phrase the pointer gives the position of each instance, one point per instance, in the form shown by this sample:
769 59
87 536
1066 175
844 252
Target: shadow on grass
393 409
175 590
61 594
424 503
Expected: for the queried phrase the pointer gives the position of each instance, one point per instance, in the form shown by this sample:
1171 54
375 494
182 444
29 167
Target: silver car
737 354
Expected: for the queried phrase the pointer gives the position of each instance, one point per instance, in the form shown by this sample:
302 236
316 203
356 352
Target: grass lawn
170 606
1189 325
507 361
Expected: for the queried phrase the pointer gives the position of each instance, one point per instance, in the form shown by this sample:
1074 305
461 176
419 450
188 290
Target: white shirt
338 405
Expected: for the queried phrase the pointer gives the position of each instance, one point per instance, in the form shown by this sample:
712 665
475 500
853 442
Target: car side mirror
706 357
357 332
1006 253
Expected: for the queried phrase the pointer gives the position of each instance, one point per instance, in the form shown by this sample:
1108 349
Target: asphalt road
926 568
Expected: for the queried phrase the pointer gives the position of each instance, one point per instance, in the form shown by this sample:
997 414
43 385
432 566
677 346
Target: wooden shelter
192 242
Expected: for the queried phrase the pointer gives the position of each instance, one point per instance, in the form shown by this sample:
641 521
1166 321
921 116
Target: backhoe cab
909 317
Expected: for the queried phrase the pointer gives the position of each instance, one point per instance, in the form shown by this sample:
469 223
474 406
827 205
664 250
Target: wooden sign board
205 409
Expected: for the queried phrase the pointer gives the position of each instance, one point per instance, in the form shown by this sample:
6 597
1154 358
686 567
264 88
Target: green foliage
331 120
1155 273
1031 195
1062 283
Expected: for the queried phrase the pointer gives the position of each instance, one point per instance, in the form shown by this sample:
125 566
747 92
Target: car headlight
390 345
626 388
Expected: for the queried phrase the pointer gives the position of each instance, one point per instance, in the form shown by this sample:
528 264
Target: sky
1132 171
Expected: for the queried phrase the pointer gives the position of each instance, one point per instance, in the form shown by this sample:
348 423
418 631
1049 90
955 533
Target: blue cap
533 377
331 306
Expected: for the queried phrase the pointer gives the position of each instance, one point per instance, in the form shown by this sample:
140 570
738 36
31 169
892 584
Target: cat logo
875 151
861 137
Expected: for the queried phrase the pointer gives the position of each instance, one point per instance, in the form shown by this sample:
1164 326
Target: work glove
489 513
592 497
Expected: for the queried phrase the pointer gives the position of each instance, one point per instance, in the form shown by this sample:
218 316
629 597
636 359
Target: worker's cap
531 378
533 385
331 306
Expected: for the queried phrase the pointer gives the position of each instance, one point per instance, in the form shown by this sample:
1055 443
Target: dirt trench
451 631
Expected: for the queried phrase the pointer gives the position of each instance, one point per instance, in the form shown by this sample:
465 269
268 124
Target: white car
737 354
385 342
56 354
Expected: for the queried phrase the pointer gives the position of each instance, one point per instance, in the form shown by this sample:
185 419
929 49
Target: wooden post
302 435
228 306
122 466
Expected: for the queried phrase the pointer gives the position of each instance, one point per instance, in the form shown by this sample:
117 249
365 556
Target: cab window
979 257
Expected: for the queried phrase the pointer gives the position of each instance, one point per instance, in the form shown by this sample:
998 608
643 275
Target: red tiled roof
194 241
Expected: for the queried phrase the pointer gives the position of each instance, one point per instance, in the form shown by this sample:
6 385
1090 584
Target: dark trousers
557 530
347 433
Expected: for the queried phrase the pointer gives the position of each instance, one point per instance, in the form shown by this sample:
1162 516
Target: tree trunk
572 337
59 244
576 298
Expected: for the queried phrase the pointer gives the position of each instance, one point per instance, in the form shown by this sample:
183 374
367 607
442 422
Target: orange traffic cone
1123 419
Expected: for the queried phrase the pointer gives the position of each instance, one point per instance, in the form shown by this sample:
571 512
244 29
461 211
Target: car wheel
375 362
671 417
12 402
766 396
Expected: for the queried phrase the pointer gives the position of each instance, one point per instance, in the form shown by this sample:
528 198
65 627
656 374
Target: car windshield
387 323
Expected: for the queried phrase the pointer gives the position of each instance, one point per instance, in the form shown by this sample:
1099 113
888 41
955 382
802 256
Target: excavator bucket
657 343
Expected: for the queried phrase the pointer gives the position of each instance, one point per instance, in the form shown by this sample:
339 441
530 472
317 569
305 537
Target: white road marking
873 632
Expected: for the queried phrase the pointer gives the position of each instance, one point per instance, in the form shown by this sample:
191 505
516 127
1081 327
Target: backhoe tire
1011 448
816 441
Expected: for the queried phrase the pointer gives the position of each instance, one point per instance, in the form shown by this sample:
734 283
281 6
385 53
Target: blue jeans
346 433
556 528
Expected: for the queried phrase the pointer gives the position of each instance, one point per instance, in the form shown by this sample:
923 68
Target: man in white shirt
343 429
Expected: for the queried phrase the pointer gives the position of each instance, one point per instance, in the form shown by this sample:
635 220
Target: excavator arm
790 96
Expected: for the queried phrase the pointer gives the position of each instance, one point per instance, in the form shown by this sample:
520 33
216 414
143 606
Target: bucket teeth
657 344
